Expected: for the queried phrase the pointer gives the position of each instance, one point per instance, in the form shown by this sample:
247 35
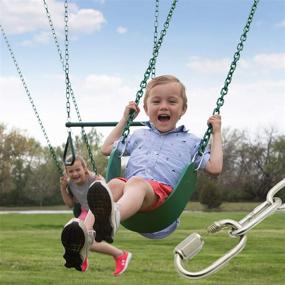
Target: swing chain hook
192 245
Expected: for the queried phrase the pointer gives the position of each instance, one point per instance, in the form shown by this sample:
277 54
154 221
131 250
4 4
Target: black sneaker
106 214
76 242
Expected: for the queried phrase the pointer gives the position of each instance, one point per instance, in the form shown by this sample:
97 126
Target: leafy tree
17 153
209 192
94 140
42 185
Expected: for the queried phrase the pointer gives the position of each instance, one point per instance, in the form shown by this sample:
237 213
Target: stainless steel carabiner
192 245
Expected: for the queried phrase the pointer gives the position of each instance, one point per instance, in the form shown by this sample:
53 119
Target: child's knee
117 187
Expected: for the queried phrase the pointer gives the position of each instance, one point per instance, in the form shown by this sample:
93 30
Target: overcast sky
110 45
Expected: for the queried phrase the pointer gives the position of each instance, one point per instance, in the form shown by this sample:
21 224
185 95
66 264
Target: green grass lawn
31 253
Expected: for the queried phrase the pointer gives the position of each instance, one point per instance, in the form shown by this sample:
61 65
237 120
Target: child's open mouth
163 118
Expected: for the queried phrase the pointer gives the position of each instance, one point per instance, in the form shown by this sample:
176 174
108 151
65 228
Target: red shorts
162 191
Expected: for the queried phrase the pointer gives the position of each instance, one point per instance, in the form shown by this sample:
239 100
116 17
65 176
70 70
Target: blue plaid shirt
161 156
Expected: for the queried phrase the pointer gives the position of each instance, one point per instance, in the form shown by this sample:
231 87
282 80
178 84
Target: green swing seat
163 216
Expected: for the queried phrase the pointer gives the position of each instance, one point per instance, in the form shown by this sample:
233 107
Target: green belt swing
163 216
170 210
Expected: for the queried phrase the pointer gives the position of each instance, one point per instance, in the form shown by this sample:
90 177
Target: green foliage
95 140
209 192
28 174
252 166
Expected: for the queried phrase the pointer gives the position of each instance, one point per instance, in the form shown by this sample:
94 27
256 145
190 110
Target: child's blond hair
163 79
83 163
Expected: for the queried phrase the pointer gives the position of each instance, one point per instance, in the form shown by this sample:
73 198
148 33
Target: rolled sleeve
122 147
202 160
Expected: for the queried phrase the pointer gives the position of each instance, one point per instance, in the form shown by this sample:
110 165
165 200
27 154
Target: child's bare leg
89 221
105 248
117 188
134 195
138 195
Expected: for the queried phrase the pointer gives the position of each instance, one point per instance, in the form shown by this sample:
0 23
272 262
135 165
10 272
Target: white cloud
121 30
102 83
86 21
207 65
103 97
248 105
29 16
18 17
270 61
40 38
281 24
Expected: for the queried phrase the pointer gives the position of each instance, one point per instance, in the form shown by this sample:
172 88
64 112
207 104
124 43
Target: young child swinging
74 186
157 156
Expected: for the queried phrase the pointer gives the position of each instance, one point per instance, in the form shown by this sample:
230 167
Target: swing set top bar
100 124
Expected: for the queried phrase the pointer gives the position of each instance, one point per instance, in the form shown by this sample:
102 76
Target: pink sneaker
122 263
84 265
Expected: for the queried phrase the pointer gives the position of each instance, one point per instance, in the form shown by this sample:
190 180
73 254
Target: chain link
149 69
220 101
271 205
155 35
66 66
52 152
69 91
262 211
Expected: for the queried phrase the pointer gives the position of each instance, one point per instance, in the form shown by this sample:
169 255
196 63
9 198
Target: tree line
252 165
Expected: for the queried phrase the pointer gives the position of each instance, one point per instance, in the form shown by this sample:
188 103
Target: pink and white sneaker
122 263
76 241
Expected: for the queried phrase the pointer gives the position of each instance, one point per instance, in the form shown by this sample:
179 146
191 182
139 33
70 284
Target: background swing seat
163 216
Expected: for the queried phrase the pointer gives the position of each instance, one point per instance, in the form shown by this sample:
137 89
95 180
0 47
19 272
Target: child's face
164 106
76 172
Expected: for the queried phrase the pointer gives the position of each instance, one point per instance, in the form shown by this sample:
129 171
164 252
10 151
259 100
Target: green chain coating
52 152
69 90
220 101
155 35
149 69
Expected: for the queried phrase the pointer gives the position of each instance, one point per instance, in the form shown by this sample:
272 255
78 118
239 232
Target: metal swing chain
220 102
68 84
61 59
66 66
155 35
52 152
84 135
149 69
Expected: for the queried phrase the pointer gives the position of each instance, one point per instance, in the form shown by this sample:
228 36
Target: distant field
193 206
31 253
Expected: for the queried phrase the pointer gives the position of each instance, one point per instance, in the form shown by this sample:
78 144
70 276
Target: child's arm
215 163
117 131
67 198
